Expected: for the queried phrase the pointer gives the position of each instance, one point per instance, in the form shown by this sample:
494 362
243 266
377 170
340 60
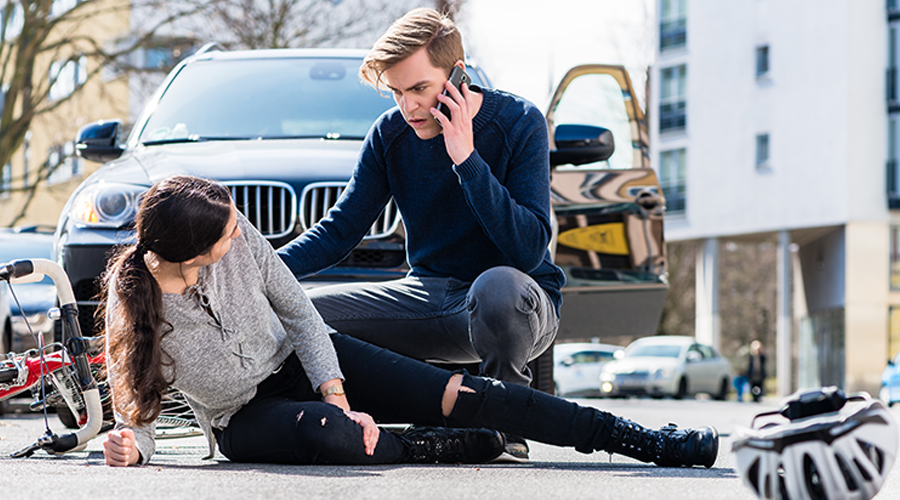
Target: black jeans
286 422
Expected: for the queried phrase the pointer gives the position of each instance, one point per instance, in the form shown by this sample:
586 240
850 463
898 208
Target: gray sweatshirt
257 315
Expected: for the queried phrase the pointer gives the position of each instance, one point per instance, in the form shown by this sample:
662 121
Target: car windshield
656 351
265 98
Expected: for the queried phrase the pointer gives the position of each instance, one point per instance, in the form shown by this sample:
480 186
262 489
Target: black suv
283 129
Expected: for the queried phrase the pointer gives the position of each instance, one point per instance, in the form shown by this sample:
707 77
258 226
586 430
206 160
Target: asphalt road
178 471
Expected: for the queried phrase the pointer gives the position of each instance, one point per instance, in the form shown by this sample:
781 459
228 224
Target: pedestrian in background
756 370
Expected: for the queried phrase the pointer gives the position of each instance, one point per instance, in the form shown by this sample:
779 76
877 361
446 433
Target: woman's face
222 246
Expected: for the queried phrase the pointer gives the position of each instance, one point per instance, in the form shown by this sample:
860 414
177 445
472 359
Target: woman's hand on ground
370 430
120 448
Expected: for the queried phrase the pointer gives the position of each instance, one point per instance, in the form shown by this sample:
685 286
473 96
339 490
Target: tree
51 45
46 45
276 24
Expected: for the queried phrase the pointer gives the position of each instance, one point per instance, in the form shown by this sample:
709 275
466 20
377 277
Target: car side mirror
568 361
693 356
97 141
619 354
580 144
890 362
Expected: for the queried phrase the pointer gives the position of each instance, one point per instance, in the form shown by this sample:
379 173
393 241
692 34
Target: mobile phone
457 77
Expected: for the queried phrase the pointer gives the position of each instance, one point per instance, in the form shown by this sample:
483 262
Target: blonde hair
418 28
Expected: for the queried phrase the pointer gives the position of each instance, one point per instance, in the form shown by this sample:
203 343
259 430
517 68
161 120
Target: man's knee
503 291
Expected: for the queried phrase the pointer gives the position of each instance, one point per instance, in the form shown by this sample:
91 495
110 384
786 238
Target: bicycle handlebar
19 270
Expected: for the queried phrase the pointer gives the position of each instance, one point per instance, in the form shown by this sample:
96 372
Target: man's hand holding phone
457 105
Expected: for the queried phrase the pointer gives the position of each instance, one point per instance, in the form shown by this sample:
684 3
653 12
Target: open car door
609 208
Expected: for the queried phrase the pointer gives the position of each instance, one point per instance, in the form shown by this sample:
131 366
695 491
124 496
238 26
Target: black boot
667 447
451 446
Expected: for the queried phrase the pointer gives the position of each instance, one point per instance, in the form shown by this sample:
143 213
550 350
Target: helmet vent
862 470
753 475
874 453
782 488
814 485
845 470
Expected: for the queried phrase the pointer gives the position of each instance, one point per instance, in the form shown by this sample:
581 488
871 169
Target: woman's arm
124 445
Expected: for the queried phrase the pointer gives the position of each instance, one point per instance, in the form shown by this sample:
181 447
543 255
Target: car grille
270 206
319 197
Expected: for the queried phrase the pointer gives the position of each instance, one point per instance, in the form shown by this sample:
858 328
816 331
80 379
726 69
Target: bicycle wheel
176 420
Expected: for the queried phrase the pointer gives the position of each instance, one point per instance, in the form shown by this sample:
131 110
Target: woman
202 303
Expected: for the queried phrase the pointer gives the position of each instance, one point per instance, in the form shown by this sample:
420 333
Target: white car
667 365
577 367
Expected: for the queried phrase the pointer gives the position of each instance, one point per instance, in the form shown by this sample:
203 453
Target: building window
895 257
62 164
26 156
893 331
762 61
672 24
5 181
891 76
66 76
762 150
672 179
672 103
14 23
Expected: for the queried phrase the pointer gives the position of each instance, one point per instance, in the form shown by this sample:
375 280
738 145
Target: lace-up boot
450 446
667 447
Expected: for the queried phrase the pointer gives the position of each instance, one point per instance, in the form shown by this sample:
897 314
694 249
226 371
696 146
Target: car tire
682 388
723 390
65 416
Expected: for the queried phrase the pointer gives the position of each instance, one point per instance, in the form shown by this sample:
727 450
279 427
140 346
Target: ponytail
133 336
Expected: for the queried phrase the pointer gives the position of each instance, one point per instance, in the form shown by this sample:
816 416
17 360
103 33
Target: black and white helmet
819 447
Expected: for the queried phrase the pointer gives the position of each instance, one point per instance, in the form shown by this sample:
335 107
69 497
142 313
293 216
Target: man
473 190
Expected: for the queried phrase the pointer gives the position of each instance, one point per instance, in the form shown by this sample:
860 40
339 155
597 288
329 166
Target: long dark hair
179 218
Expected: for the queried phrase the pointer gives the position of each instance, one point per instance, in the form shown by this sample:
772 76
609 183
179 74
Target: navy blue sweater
491 210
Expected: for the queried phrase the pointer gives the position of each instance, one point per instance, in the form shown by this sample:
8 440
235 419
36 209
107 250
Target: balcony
672 116
893 190
672 34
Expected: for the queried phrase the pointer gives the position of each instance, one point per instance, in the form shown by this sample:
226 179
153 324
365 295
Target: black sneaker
515 451
451 446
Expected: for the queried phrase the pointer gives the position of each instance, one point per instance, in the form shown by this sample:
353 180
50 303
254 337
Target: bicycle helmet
818 447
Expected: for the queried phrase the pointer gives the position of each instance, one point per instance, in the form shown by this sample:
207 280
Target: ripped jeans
286 422
502 320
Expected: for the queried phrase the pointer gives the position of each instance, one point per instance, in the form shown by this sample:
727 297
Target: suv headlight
106 204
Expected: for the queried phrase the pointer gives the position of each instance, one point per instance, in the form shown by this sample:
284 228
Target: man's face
416 84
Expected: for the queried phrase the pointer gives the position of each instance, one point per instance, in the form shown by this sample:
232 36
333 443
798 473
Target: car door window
597 99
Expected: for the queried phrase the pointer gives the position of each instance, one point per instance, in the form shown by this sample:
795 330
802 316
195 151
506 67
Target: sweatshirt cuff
470 168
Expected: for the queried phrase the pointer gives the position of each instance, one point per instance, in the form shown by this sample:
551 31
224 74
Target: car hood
35 298
648 363
295 161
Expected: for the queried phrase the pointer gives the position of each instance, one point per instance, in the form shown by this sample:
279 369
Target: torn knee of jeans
463 388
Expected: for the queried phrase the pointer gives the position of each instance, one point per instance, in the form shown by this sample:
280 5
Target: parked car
577 366
283 129
36 299
667 365
890 382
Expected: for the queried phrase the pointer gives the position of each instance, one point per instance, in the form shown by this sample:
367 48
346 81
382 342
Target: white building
774 120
